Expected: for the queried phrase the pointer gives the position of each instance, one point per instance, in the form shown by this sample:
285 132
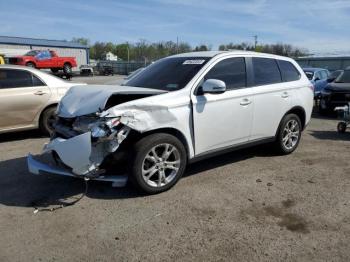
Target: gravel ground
249 205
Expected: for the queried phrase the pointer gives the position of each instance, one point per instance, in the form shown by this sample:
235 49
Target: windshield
309 74
344 77
335 74
168 74
32 53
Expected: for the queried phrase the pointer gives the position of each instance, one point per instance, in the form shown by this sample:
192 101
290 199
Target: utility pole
177 44
255 41
127 48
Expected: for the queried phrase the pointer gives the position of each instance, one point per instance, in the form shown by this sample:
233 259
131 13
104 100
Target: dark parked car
336 93
318 77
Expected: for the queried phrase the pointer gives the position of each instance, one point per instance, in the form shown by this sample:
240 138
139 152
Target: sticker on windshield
193 62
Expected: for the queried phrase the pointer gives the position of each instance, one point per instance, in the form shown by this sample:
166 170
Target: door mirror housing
213 86
317 79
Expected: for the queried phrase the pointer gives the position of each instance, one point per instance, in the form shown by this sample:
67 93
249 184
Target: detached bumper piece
36 167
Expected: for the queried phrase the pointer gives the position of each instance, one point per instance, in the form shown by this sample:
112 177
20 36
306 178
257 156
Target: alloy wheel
161 165
291 134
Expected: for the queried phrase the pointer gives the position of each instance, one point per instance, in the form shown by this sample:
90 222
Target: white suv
178 110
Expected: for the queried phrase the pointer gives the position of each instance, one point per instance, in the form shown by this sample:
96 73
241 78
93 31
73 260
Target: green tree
81 40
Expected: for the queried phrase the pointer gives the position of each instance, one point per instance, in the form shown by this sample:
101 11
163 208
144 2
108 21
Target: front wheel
289 134
30 64
157 162
322 107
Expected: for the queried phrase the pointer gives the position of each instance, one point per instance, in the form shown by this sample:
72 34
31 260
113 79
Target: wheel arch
43 110
67 63
31 62
167 130
297 110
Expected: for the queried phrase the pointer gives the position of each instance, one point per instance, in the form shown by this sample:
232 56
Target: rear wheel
289 134
158 161
67 69
30 64
48 118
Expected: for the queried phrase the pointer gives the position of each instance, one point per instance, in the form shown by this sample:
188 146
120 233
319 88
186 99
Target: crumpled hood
87 99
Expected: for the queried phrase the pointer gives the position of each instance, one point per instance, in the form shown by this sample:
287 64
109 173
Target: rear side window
12 78
37 81
231 71
266 71
288 71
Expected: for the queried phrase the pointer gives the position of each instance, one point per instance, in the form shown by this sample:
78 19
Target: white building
111 57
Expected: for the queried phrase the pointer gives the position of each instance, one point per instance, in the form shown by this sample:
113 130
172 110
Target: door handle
39 93
245 102
284 95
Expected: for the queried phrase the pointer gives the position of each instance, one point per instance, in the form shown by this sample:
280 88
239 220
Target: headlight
97 131
112 122
99 127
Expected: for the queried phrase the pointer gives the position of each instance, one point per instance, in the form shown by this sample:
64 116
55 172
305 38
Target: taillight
312 87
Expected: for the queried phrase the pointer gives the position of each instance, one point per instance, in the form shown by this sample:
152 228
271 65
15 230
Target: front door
222 120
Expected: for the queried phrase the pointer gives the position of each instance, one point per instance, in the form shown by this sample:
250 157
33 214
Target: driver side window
232 71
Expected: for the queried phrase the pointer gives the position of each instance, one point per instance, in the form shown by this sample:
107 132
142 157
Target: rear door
272 94
222 120
22 96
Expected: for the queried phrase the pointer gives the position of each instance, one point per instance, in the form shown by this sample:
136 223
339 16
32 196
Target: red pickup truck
47 59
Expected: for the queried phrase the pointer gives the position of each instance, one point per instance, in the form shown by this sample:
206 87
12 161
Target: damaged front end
80 145
92 122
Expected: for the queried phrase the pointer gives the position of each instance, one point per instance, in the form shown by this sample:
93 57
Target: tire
288 138
46 120
341 127
30 64
322 108
67 69
54 70
148 159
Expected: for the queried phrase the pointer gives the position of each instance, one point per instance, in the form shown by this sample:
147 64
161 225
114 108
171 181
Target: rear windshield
344 77
168 74
32 53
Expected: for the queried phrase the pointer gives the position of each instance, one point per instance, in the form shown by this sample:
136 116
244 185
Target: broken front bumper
80 156
38 168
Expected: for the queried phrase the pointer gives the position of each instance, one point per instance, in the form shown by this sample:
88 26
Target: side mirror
317 79
330 80
213 86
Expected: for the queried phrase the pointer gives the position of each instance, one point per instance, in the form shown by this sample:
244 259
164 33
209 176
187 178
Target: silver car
28 98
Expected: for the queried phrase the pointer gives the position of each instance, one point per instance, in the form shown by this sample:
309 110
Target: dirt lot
249 205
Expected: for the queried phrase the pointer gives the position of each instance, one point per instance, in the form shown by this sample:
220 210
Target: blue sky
322 26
